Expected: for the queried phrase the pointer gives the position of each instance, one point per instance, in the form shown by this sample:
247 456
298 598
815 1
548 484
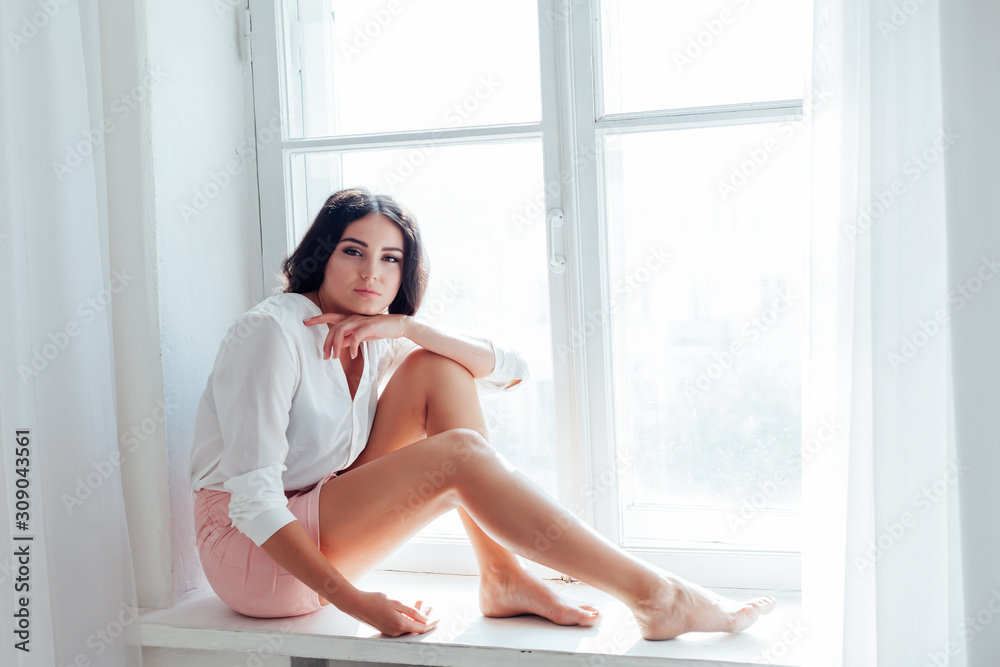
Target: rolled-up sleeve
509 369
254 380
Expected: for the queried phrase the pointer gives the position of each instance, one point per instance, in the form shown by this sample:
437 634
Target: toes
591 615
764 605
578 615
751 611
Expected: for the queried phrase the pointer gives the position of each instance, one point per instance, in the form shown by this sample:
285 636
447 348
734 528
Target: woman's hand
390 617
349 331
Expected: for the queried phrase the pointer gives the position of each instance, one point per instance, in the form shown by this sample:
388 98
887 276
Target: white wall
208 261
194 274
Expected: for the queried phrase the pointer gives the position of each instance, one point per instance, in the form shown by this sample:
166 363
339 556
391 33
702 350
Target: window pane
486 243
707 265
668 54
357 67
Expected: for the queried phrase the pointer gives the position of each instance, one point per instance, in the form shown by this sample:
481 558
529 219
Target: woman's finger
334 343
356 340
428 626
328 318
328 342
413 613
338 341
409 625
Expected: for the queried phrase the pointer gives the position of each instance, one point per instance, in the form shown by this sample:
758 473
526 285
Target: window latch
554 224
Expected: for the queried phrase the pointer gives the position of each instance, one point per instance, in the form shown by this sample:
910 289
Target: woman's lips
367 293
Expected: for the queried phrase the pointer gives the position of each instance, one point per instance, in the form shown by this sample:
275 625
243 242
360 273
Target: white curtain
72 593
886 577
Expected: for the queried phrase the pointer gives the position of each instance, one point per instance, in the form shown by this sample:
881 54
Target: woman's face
365 269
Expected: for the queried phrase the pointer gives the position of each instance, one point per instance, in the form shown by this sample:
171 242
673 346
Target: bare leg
367 512
431 394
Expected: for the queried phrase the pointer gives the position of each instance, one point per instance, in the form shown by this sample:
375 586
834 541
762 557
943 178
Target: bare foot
681 606
511 591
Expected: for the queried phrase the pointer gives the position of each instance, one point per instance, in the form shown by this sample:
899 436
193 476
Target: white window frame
572 118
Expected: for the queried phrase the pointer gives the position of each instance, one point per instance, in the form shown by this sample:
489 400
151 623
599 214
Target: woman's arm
293 549
348 331
473 353
256 374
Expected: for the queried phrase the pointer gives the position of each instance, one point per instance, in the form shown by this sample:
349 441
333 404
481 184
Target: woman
289 401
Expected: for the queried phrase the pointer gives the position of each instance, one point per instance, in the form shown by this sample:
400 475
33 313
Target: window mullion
591 324
269 112
561 193
434 137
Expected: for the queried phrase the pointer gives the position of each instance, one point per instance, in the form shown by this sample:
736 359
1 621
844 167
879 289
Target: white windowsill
465 637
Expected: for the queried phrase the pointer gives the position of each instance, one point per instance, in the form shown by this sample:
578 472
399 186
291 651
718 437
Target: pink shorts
241 573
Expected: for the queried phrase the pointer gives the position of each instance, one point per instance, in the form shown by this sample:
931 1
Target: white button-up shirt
275 415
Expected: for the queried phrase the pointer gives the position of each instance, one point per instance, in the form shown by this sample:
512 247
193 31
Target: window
617 189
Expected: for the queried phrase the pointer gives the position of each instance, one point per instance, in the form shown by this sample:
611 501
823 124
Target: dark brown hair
305 267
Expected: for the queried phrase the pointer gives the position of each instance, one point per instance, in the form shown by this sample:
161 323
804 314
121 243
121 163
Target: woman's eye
391 258
351 251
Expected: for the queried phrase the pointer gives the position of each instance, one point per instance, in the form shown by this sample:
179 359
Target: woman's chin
370 310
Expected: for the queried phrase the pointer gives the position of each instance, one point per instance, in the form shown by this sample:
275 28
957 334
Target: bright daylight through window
678 323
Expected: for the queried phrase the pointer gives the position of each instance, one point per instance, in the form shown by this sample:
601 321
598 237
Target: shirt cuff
261 527
508 367
257 504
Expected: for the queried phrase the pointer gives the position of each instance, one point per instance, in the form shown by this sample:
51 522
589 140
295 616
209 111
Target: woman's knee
456 450
469 445
426 364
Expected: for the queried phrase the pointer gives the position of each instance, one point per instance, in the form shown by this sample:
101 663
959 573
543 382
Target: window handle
557 262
